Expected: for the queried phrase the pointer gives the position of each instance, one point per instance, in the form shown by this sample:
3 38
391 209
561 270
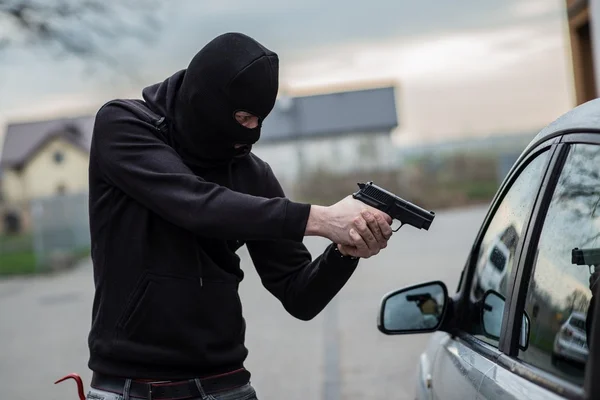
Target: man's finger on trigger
384 216
385 229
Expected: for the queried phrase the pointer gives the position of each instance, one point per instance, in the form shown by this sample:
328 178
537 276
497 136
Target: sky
461 68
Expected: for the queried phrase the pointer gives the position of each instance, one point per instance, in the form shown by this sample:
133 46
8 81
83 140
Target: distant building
336 132
45 158
584 33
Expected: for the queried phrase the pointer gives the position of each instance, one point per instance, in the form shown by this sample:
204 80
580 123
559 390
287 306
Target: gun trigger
397 229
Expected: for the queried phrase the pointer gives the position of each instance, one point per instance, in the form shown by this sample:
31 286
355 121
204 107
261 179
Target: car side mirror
491 318
415 309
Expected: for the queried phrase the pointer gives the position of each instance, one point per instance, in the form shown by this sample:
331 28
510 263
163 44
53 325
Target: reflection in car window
559 295
496 253
498 259
578 322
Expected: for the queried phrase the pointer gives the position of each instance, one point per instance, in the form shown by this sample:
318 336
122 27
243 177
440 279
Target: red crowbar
77 379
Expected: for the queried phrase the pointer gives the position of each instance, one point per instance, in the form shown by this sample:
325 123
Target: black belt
171 390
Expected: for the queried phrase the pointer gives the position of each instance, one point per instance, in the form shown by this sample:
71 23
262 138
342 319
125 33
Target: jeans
245 392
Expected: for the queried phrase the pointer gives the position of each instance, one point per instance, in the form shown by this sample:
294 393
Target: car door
465 358
555 282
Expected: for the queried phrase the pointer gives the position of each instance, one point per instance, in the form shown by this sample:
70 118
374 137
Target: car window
558 294
577 322
496 254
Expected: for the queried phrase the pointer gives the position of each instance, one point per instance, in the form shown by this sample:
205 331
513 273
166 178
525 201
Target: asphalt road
338 355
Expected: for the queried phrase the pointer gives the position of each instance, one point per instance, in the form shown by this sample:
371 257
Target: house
335 132
45 158
342 131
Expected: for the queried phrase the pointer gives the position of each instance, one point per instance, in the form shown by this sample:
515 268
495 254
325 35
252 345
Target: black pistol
397 208
419 298
589 257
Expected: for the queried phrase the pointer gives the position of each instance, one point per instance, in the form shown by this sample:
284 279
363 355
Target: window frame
58 156
506 354
468 272
508 337
523 268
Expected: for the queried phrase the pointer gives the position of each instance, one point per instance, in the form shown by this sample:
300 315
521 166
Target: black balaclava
233 72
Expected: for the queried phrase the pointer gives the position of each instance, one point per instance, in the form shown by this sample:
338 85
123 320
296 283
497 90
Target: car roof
584 118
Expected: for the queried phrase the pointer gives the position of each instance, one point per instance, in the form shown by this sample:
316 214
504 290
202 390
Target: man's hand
358 229
429 306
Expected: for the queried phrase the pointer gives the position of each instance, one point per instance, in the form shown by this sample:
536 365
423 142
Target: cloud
453 62
511 80
534 8
457 56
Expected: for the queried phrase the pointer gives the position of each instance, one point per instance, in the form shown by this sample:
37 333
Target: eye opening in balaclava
231 73
242 147
246 115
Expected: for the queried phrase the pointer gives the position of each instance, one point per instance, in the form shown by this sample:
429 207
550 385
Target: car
493 272
520 291
570 343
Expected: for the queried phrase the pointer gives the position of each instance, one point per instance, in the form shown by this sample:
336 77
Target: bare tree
88 29
578 189
577 301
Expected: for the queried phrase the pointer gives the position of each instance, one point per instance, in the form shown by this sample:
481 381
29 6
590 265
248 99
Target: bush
432 183
18 257
21 263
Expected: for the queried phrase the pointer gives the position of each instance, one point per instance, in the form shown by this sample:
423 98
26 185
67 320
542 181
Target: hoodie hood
233 72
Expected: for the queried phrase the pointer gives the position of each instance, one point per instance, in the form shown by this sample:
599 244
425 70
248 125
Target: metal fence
60 229
55 235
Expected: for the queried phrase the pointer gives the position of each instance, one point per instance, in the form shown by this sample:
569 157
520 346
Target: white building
337 132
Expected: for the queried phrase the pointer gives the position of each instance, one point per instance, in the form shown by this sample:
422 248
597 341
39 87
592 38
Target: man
174 192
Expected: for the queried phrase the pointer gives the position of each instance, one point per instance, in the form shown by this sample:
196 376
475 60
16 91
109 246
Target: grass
82 253
18 263
16 243
543 340
483 190
17 256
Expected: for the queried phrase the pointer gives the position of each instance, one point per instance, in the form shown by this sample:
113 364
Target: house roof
22 140
368 110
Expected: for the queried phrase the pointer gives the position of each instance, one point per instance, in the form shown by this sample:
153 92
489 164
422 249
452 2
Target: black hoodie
170 204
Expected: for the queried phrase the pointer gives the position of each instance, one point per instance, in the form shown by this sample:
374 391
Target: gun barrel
585 256
418 297
395 206
412 214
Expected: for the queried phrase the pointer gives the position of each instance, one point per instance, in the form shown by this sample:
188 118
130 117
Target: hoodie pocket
136 300
178 314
